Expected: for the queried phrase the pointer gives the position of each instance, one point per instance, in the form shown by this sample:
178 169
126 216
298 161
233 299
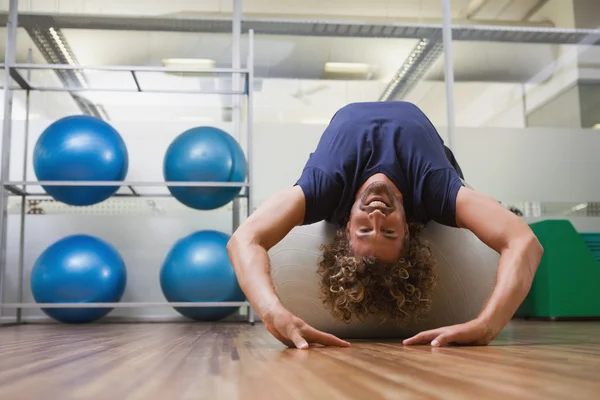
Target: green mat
567 283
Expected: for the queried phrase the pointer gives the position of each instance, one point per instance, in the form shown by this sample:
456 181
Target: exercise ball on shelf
197 269
204 154
78 269
80 148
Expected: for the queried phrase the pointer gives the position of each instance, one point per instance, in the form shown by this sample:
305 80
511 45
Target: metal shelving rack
242 86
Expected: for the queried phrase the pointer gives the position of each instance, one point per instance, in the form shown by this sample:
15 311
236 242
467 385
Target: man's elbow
533 250
233 244
239 240
535 247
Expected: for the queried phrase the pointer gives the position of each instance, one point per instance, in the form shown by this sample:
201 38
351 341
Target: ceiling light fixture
416 65
67 55
347 68
579 207
192 63
61 45
102 112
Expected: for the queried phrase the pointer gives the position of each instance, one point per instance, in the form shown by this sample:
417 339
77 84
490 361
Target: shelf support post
9 59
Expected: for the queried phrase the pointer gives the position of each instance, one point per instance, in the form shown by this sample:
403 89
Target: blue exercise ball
80 148
204 154
197 269
78 269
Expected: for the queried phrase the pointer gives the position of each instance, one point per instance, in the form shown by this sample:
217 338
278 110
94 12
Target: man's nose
377 216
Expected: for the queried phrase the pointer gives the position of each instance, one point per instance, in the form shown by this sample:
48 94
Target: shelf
126 305
19 192
127 183
130 68
15 190
80 79
133 70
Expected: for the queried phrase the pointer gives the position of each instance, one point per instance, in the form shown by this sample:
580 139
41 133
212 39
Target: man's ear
347 228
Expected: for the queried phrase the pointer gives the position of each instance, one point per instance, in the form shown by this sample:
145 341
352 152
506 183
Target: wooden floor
544 360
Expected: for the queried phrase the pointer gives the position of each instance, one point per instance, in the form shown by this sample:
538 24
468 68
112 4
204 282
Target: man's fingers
302 336
456 336
326 339
281 338
442 340
298 340
423 337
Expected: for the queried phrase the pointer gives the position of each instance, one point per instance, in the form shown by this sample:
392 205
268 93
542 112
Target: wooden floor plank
529 360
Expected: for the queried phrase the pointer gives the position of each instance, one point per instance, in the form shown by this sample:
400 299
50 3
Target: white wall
477 104
540 164
560 12
562 111
587 14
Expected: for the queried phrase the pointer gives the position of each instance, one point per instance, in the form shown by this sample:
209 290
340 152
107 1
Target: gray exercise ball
466 269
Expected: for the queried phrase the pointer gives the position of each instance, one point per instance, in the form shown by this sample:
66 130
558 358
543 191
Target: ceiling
276 56
398 10
291 83
422 9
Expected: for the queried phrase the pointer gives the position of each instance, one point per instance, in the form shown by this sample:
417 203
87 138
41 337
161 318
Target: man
381 171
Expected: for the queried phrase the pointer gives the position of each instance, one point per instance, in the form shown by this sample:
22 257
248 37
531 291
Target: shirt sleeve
322 195
439 195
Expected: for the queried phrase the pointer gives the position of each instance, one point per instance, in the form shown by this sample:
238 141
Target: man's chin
378 191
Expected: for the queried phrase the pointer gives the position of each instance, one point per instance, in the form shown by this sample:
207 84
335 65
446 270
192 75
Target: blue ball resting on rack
204 154
80 148
197 269
78 269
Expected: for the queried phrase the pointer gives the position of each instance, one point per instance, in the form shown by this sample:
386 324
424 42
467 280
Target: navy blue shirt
393 138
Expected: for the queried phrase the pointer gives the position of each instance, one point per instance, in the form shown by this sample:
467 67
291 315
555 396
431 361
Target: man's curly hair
359 286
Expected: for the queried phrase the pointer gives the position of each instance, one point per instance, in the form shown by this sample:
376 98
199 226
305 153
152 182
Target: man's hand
293 332
248 252
476 333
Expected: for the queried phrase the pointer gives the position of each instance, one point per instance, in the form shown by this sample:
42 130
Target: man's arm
520 252
248 246
248 249
520 255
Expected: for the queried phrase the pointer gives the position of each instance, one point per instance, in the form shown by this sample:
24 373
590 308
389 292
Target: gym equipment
197 268
567 282
592 241
466 269
78 269
204 154
80 148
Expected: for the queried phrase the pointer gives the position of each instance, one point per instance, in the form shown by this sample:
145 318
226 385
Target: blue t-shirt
393 138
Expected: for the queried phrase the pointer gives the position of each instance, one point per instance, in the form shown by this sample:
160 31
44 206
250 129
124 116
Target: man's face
377 225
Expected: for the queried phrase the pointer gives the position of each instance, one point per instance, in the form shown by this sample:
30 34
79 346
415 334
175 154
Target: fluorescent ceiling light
347 68
199 63
579 207
67 55
61 45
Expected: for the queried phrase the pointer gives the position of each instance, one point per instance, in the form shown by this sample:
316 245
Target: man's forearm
251 265
516 270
